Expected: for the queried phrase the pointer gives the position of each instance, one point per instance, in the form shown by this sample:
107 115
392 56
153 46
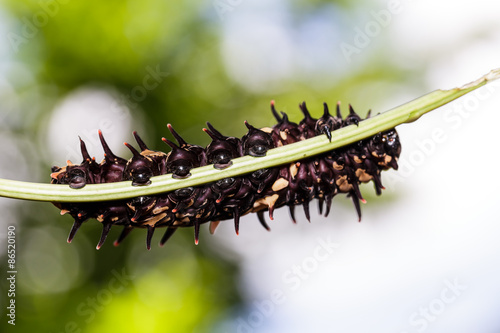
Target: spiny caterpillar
320 177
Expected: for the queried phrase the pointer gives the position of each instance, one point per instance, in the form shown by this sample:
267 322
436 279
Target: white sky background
443 225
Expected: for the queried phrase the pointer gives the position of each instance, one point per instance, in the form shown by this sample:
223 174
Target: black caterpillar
320 177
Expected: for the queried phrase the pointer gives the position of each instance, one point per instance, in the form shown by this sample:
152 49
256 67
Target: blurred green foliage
179 288
72 287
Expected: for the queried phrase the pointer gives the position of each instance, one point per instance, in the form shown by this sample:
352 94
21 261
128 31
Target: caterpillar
320 177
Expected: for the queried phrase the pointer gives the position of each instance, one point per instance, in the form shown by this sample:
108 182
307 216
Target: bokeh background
425 258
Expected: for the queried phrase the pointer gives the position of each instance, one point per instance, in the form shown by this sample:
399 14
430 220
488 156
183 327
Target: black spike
271 212
378 184
275 113
132 149
141 143
210 134
177 137
105 231
305 204
393 164
83 148
292 213
168 233
262 220
76 225
151 231
170 143
196 232
236 215
339 114
355 200
304 110
126 230
357 191
250 127
108 154
216 133
321 200
328 202
284 119
326 111
351 110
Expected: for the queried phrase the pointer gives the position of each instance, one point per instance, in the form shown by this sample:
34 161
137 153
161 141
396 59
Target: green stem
405 113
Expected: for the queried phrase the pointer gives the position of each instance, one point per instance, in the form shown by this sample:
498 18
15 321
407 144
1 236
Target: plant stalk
405 113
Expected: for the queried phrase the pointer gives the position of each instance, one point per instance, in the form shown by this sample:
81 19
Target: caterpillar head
386 148
391 142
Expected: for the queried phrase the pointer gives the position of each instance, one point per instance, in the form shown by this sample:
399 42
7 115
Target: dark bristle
177 137
83 148
215 132
321 200
326 111
351 110
292 213
170 143
262 220
149 236
211 134
196 232
76 225
125 232
106 227
275 113
108 154
304 110
132 149
166 236
306 210
141 143
284 118
339 113
236 220
328 202
355 201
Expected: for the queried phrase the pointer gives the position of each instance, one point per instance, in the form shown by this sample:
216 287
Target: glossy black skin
222 149
180 161
144 165
183 156
256 142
